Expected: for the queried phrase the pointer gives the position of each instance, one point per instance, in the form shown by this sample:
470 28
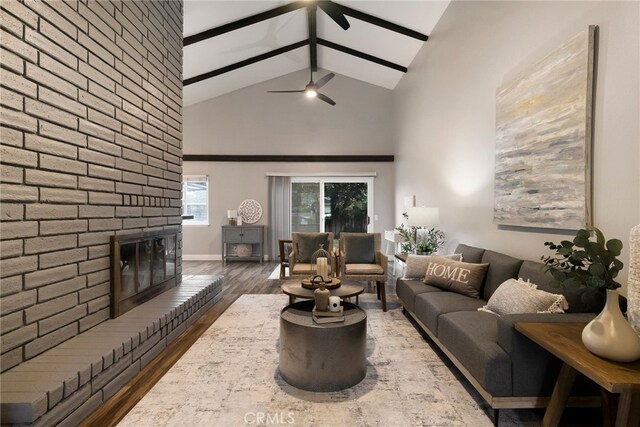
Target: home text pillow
308 243
416 265
462 277
517 296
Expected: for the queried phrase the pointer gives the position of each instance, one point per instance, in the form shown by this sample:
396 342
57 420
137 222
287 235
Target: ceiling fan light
311 93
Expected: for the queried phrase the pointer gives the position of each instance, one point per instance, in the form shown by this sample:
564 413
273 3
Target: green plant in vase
417 241
586 267
422 248
408 234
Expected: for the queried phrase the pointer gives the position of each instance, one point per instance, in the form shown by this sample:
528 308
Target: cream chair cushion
367 269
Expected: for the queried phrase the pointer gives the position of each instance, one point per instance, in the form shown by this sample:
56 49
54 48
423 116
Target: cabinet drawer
232 235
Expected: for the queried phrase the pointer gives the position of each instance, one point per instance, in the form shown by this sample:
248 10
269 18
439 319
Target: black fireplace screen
143 265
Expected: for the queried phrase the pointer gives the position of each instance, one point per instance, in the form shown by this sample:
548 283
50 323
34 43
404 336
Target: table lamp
232 214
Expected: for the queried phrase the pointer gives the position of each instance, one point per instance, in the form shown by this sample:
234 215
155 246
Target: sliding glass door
332 204
305 206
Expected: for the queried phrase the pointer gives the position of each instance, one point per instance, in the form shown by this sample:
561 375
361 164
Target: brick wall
91 145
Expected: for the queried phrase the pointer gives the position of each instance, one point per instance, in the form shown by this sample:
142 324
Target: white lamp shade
232 214
423 217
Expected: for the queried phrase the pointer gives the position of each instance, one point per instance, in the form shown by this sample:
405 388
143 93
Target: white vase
610 336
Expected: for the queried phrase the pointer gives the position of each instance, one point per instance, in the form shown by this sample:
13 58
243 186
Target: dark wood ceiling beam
313 37
286 158
244 22
252 60
361 55
381 23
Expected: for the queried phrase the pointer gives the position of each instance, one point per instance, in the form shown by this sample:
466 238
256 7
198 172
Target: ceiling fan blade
323 81
334 13
326 99
285 91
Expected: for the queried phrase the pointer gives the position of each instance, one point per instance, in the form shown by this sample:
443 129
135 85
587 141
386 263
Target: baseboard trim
208 257
202 257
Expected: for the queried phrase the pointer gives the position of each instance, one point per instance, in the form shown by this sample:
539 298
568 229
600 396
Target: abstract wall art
543 140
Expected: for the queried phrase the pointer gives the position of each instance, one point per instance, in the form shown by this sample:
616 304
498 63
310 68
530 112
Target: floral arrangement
413 241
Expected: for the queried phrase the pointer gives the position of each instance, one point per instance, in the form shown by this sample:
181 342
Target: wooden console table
564 341
243 234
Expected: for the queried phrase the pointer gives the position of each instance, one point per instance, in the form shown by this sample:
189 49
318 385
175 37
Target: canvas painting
543 140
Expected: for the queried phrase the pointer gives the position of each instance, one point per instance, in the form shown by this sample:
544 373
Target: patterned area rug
230 377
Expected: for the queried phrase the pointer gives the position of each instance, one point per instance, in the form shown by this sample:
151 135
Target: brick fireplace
91 147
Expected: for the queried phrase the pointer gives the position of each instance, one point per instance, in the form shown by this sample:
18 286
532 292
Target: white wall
250 121
445 115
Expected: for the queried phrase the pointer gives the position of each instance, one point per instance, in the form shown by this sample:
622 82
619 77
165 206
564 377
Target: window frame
194 222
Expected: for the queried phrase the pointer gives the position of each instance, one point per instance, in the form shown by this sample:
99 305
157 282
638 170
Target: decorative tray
333 284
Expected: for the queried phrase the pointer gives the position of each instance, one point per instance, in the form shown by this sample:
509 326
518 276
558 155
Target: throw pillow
462 277
517 296
416 265
308 243
360 249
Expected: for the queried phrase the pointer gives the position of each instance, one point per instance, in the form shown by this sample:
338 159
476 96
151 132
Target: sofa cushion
471 337
408 289
360 249
517 296
462 277
430 305
501 268
416 265
470 253
536 272
308 243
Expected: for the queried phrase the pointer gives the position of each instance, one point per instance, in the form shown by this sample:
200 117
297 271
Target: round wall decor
250 211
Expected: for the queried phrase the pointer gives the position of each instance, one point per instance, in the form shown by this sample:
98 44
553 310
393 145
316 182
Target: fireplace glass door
143 265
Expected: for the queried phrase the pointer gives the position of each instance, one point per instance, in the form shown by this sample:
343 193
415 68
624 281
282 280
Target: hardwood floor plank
239 278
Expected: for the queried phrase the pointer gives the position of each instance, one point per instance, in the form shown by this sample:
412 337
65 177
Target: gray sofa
506 368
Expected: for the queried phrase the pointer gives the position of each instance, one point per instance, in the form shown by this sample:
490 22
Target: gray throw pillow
517 296
308 243
462 277
360 249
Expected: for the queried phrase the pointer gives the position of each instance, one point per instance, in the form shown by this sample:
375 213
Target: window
332 204
195 199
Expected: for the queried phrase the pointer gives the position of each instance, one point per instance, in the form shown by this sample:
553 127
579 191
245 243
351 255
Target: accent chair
284 249
361 259
303 245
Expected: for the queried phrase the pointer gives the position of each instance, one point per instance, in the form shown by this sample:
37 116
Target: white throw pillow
517 296
416 265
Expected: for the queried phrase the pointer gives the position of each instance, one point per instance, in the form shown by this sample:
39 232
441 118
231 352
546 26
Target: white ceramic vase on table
610 336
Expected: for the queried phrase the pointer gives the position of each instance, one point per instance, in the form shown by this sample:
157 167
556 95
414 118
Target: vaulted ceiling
365 51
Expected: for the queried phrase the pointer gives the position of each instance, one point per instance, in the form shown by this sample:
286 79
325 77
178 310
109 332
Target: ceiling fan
334 12
311 89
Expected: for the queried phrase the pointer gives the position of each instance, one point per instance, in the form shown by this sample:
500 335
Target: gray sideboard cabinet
252 235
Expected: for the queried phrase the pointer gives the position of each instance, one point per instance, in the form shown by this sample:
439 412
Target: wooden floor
239 278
